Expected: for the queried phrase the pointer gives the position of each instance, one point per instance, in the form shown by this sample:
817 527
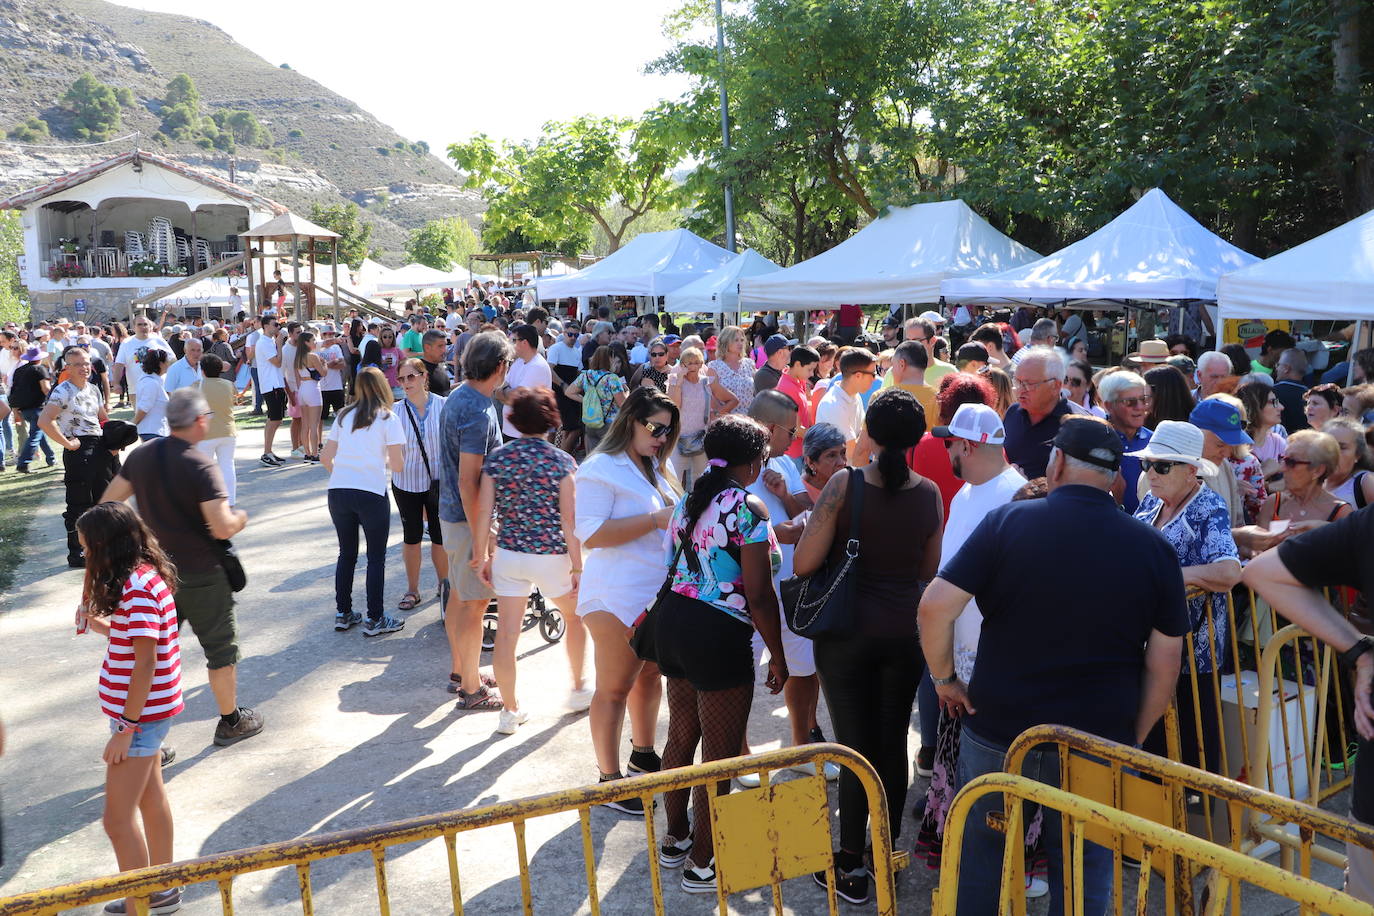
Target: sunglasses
659 353
1074 382
408 375
1145 400
658 430
1291 463
1159 467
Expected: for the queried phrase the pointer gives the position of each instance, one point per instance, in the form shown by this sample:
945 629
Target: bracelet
942 681
127 719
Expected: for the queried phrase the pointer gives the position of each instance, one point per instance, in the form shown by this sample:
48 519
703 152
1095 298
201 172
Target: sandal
481 701
409 600
455 682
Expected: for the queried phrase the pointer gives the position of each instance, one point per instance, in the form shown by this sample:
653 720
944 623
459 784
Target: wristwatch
123 725
1351 655
942 681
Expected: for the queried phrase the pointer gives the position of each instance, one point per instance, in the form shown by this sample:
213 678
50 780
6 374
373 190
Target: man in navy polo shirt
1033 420
1102 656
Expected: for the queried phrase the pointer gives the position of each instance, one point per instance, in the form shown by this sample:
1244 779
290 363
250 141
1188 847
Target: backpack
598 405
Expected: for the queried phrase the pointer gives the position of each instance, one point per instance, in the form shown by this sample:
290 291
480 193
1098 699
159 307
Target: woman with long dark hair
309 369
1170 397
127 597
366 439
625 495
151 415
722 556
869 677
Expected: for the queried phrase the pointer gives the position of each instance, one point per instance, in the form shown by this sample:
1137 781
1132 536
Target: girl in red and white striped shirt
127 596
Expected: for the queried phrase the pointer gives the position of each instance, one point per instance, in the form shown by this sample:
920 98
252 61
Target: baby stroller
538 613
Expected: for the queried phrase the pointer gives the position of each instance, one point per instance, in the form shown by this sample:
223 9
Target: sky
442 71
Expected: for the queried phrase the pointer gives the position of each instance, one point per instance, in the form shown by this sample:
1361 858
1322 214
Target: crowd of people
658 483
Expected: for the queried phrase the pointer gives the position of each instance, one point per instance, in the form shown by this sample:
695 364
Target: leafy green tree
14 298
94 107
442 243
181 117
242 126
555 190
355 235
181 90
32 130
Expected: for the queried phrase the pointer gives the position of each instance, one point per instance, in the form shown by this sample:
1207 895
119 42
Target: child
127 596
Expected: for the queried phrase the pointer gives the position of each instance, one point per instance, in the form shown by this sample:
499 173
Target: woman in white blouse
416 488
626 491
151 416
366 439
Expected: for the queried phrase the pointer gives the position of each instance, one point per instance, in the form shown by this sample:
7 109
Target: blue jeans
35 439
257 390
6 432
980 868
927 710
350 510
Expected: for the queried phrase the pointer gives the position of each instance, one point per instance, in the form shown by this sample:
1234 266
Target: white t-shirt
152 398
966 510
843 410
532 373
639 355
776 513
131 353
560 354
269 376
288 365
453 320
333 378
360 462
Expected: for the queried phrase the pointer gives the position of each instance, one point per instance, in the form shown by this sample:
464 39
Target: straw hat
1174 440
1155 352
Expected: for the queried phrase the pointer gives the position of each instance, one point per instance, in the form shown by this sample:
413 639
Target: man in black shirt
28 392
1102 656
1341 553
434 343
1031 423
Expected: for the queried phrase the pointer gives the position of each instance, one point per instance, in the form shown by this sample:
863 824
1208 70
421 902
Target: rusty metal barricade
763 836
1161 847
1178 795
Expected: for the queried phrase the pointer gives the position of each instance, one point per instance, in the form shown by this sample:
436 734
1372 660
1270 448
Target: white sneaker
580 700
298 452
749 780
1036 886
511 720
831 770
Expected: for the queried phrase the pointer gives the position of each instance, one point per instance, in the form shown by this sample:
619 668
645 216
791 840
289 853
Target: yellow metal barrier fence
1176 795
1172 851
763 837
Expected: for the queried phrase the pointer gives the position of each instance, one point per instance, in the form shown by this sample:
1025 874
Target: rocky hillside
324 147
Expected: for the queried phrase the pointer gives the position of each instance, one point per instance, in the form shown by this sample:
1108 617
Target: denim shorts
149 737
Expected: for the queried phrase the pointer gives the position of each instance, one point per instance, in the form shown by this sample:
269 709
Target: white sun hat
1174 440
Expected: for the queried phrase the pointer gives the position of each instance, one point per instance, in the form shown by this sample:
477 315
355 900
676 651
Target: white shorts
797 651
514 574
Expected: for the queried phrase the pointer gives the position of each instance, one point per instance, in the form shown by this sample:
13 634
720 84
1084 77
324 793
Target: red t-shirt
851 316
146 611
805 414
928 458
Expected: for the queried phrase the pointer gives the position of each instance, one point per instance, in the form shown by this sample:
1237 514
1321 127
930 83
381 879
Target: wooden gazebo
289 230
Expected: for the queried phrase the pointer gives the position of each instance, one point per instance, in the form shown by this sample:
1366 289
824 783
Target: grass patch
20 496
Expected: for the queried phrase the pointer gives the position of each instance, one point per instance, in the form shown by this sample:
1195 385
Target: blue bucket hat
1217 416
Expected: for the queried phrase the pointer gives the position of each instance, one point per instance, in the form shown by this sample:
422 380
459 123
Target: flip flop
409 600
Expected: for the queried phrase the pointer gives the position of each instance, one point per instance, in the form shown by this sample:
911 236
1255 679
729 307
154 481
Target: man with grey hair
470 428
181 497
1127 399
1290 389
1033 421
72 418
1213 367
1044 334
600 337
185 371
1050 654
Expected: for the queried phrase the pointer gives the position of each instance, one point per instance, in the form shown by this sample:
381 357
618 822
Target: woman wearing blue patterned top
528 485
1196 521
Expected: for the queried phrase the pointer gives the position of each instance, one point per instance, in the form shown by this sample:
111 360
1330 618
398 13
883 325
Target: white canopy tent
1154 250
421 276
899 258
650 264
718 291
1329 277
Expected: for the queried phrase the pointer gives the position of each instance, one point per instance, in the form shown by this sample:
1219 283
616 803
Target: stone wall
102 305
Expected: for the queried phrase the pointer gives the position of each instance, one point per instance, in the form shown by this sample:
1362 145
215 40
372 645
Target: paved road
359 732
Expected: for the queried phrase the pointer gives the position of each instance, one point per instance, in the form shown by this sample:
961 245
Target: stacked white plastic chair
135 246
162 241
204 256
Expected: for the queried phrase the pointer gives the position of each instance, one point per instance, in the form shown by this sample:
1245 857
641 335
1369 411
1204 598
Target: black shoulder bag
228 559
420 437
642 640
821 604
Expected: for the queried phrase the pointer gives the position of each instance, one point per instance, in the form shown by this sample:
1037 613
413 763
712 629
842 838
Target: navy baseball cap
1090 439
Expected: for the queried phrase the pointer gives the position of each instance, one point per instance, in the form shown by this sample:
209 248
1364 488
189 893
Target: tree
441 243
32 130
355 235
242 127
554 191
14 298
94 107
181 117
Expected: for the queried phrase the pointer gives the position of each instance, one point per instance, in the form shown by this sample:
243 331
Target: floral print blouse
739 382
1200 534
528 473
1250 473
709 568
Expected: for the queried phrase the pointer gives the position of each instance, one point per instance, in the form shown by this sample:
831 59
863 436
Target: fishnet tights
717 719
